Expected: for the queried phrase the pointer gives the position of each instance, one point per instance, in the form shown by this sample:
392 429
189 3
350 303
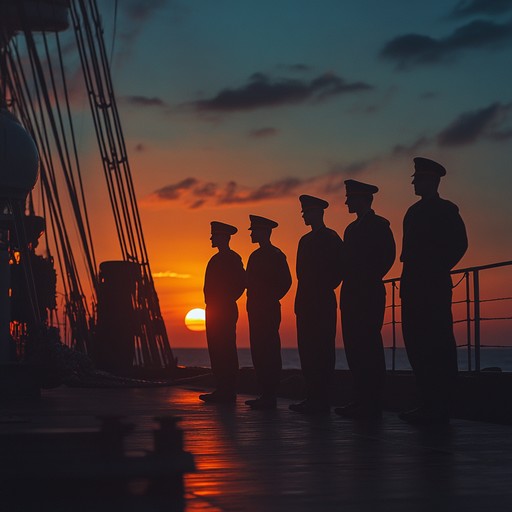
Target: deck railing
470 281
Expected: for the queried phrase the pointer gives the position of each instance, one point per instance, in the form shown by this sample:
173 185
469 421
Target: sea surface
489 358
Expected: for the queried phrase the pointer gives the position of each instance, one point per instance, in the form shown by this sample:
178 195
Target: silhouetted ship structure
120 327
118 322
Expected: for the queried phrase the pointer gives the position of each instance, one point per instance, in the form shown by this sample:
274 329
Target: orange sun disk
195 319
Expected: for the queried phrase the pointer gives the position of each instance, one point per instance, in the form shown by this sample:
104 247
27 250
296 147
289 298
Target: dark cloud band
491 123
414 49
143 101
197 193
471 126
262 92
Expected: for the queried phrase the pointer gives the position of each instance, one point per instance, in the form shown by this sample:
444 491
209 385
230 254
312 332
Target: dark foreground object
89 468
278 460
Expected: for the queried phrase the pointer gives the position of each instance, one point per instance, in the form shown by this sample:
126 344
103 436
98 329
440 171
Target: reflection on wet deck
280 461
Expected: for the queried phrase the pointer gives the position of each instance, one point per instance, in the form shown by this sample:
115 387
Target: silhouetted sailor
268 281
319 263
224 283
369 254
434 241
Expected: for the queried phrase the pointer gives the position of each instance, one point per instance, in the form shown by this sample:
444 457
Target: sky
231 108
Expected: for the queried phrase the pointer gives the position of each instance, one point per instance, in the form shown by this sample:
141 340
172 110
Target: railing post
473 313
468 319
476 299
393 325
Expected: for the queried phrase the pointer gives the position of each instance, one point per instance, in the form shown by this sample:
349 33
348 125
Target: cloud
197 204
409 149
491 122
473 125
208 189
261 133
414 49
167 274
196 194
262 91
480 7
143 101
234 194
174 191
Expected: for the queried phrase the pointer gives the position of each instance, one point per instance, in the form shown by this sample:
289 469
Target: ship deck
279 460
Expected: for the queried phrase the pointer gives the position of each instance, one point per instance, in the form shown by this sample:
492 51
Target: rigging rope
79 196
36 123
114 31
65 161
90 43
47 115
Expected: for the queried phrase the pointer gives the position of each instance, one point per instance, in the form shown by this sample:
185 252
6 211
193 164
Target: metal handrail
471 275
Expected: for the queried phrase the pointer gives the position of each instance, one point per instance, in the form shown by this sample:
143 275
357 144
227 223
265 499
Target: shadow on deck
278 460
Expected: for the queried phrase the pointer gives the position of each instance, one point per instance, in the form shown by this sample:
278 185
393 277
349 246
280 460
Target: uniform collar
433 197
369 213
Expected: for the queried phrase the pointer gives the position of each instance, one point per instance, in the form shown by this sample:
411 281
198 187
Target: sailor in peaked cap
434 241
268 280
359 197
258 222
319 267
224 283
369 254
311 202
354 187
220 228
426 166
427 176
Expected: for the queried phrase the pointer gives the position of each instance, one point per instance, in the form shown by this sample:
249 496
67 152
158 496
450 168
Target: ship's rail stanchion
393 322
473 318
468 318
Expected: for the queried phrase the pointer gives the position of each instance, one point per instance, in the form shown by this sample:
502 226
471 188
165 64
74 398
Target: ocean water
489 358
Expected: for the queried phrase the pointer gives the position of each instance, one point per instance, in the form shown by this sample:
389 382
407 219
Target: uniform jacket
224 279
434 241
268 275
369 250
319 265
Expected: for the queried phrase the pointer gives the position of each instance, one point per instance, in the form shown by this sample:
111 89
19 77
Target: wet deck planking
279 460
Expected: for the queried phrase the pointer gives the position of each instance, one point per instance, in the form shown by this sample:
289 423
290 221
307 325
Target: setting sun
194 319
